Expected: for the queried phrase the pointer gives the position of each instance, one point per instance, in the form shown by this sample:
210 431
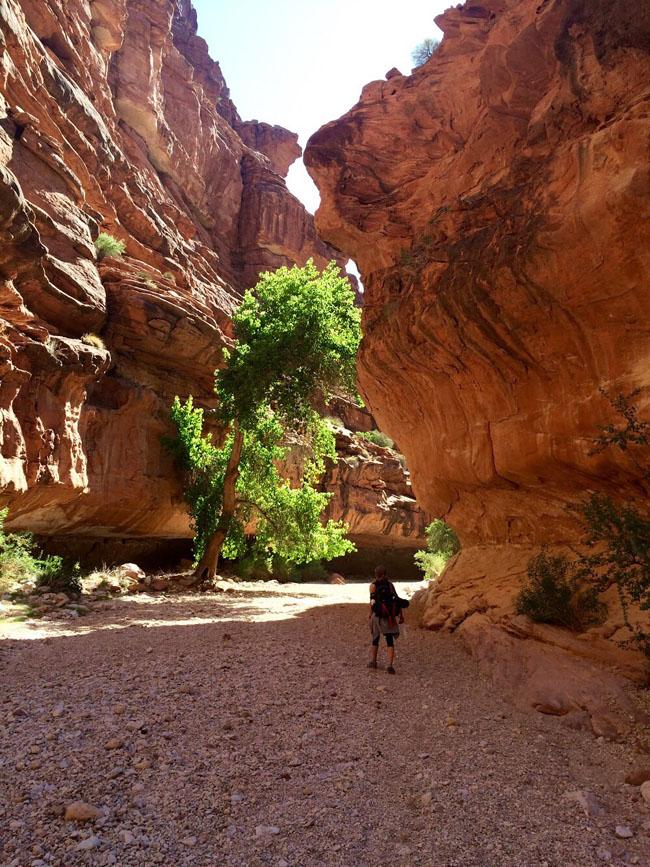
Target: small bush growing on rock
107 245
168 275
422 52
93 340
378 438
555 594
442 544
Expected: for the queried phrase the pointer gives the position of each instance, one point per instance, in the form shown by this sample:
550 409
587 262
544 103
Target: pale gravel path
257 710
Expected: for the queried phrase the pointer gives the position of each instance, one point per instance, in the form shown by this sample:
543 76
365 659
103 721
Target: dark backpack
386 600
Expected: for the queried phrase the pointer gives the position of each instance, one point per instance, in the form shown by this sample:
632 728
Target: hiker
385 616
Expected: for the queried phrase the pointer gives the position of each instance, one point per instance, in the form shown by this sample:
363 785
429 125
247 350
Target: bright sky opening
301 63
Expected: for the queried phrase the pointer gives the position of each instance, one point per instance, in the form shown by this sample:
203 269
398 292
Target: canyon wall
114 118
496 202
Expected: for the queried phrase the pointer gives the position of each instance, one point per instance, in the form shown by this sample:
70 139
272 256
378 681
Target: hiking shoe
390 669
372 664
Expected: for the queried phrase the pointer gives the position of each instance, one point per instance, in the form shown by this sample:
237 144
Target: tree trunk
207 567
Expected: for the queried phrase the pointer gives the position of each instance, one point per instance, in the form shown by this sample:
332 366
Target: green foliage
297 335
60 574
422 52
555 593
19 563
107 245
619 532
286 519
442 544
378 438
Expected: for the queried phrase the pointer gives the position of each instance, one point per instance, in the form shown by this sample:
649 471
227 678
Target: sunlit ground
251 601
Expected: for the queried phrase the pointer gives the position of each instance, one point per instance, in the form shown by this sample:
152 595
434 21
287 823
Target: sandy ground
243 728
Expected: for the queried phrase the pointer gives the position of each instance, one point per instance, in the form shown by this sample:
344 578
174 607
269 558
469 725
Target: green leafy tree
442 544
424 50
296 339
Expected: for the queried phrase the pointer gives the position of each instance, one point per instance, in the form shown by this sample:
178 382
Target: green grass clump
107 245
378 438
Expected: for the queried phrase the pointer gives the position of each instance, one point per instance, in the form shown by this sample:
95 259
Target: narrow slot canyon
460 400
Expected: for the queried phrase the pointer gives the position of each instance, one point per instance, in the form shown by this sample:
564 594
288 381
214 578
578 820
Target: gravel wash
243 728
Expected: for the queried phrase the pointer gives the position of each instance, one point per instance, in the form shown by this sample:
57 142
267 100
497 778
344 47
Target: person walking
384 617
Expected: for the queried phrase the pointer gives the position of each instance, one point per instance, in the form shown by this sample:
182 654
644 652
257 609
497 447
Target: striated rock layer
496 203
114 118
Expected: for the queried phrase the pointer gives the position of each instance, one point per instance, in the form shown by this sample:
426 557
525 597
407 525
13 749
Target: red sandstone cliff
496 202
114 118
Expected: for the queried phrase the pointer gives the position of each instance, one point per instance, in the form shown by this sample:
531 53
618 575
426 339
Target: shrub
107 245
378 438
442 544
422 52
18 563
619 532
93 340
60 575
169 275
556 594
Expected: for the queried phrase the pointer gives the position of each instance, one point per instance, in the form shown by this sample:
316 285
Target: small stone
80 811
113 744
589 803
119 709
283 863
603 854
638 776
624 832
127 837
189 841
88 843
57 711
452 721
134 725
264 830
645 792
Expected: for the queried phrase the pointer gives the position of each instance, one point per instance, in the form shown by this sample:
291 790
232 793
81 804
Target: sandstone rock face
493 202
372 492
114 118
496 203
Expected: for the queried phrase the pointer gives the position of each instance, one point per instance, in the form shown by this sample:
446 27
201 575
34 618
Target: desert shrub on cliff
378 438
93 340
424 50
554 593
442 544
296 339
107 245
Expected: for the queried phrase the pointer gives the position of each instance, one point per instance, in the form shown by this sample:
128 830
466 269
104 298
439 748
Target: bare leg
391 655
373 656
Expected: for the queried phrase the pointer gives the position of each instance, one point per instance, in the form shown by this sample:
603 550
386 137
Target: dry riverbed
243 728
